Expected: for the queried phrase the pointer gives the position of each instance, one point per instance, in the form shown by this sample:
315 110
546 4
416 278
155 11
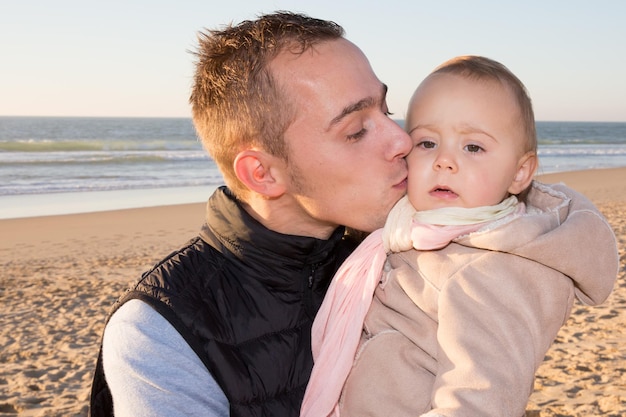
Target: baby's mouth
442 191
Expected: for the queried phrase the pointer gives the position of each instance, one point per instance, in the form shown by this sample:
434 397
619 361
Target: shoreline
599 185
37 205
62 274
41 205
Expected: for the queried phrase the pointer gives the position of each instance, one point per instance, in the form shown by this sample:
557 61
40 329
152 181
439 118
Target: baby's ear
526 167
260 172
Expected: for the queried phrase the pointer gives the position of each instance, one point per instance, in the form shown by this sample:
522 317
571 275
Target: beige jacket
461 331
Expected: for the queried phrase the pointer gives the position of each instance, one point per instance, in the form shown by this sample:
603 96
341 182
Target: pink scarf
337 327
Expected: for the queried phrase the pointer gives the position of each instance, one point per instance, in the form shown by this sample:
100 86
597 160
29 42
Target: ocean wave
55 155
612 141
49 145
583 150
98 157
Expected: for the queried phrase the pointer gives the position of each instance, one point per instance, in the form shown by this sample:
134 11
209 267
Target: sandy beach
61 274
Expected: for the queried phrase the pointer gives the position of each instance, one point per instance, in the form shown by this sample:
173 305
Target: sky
132 58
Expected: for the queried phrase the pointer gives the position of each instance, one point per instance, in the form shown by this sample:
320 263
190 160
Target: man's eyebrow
360 105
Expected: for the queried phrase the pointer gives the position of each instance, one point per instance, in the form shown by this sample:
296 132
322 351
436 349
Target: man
298 124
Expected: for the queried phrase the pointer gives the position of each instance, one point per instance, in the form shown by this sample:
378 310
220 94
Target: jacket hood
563 230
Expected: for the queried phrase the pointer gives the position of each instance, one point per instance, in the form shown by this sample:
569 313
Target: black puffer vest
244 298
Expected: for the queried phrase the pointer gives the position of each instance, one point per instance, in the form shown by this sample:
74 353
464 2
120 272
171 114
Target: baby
475 272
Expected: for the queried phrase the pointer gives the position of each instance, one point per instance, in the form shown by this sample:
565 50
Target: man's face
346 156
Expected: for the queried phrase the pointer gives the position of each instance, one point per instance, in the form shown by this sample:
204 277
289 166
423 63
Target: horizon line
190 118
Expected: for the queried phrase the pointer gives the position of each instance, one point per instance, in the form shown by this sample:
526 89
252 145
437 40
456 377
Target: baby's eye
426 144
473 148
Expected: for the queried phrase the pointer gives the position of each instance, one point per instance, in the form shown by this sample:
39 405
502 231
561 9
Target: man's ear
260 172
526 167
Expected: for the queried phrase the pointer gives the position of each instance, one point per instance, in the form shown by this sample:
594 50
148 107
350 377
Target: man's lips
401 184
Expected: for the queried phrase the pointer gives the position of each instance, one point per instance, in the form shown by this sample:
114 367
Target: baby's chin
430 203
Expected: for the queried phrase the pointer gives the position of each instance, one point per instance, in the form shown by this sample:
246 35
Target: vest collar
228 225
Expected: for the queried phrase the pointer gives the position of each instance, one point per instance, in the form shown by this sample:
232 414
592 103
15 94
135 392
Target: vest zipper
308 293
313 269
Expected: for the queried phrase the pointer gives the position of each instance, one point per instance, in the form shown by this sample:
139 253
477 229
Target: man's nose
401 142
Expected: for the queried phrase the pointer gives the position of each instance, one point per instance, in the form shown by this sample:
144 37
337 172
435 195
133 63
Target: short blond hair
236 102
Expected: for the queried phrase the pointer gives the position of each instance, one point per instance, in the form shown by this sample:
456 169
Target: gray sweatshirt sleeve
152 371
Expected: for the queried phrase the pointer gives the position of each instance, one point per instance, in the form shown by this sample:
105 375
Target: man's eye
473 148
357 135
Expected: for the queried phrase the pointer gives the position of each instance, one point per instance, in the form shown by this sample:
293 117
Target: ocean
58 165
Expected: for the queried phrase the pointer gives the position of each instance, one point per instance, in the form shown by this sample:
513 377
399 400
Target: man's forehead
333 79
294 57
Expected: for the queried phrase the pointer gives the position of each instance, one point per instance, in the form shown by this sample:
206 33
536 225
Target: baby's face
467 143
